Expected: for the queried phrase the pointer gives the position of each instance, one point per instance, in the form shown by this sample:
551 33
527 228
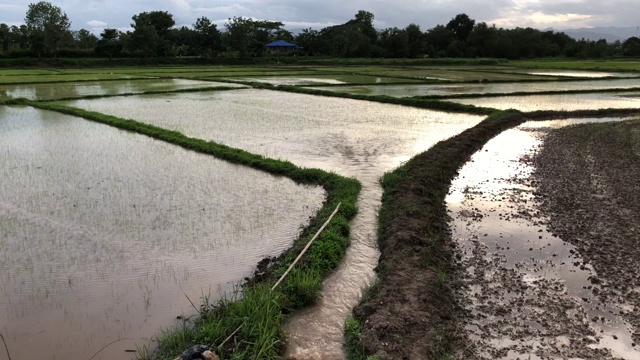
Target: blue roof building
282 46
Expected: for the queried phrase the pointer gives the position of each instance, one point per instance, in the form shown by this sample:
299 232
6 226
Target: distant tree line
47 33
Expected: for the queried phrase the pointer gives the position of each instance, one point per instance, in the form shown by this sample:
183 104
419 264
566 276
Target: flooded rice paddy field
106 235
484 88
558 102
584 74
60 77
141 283
531 293
340 135
439 73
292 80
80 89
352 138
328 80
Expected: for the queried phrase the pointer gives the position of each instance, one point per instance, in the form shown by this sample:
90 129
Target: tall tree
247 37
365 21
309 40
395 42
416 39
109 43
483 40
85 39
631 46
151 33
208 39
438 39
48 25
5 37
461 26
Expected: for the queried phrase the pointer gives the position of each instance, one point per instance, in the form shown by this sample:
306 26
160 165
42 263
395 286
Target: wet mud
534 288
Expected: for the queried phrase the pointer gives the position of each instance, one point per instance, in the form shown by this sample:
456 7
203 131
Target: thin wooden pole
306 247
290 266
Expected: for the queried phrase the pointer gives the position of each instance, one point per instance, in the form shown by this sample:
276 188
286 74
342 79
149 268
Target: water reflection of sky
104 233
494 184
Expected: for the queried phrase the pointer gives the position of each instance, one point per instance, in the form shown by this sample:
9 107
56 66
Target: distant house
282 47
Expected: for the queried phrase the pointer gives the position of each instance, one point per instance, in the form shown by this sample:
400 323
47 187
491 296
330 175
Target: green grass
352 333
528 93
47 78
454 75
419 103
595 65
260 310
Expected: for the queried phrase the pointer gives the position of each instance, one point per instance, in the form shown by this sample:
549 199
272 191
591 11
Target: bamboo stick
306 247
290 266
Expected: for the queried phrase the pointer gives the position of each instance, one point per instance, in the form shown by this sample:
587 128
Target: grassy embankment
418 103
527 93
260 310
631 65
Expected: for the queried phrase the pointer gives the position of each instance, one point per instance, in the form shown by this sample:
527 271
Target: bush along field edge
260 311
412 310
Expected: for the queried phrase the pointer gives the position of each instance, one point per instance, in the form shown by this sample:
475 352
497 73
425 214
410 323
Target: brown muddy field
589 186
565 285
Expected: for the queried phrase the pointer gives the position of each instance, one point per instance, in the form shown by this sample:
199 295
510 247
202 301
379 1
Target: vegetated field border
616 65
526 93
418 103
261 310
414 235
56 81
148 92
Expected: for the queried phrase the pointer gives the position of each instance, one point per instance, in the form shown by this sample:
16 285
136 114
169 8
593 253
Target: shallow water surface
352 138
569 102
585 74
483 88
62 90
292 80
530 291
106 234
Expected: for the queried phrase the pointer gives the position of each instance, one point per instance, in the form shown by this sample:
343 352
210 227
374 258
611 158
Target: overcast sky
95 15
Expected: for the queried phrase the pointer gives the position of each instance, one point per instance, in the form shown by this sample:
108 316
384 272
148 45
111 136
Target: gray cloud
388 13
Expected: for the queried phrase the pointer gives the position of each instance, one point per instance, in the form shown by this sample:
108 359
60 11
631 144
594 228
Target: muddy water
292 80
352 138
484 88
104 234
531 294
571 102
61 90
584 74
